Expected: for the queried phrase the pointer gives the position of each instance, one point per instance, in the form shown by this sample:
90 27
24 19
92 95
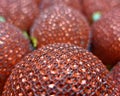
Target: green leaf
34 41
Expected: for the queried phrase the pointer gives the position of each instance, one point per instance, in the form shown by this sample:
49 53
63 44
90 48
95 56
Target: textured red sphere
19 12
94 7
115 73
71 3
61 24
60 70
106 37
13 46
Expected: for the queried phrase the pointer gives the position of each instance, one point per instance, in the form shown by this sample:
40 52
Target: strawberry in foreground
60 70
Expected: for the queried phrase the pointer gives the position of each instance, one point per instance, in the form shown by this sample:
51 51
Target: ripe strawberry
60 69
106 37
13 46
19 12
61 24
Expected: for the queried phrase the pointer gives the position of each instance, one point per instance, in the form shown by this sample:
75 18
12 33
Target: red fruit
115 73
93 9
61 24
13 46
74 4
19 12
60 69
106 37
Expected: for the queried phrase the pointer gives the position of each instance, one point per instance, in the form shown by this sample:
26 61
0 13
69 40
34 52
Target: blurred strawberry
19 12
106 37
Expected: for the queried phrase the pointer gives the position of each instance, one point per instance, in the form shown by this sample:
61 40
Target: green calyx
25 33
2 19
96 16
34 41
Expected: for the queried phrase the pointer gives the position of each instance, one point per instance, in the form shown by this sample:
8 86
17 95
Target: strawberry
106 37
60 69
13 46
61 24
19 12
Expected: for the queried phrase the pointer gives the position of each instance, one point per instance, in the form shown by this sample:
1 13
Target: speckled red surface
106 37
61 24
19 12
115 73
60 69
13 46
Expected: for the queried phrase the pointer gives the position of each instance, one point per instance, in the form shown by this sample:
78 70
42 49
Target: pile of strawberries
59 47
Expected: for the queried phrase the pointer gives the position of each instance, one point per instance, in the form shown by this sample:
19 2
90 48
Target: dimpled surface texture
61 24
102 6
19 12
115 73
106 37
13 46
74 4
60 70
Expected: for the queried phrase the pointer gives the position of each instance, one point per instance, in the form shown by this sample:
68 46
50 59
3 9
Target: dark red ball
61 24
13 46
19 12
60 70
106 37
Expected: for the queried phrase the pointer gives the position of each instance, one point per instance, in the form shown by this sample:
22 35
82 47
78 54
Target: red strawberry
19 12
106 37
61 24
13 46
60 70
